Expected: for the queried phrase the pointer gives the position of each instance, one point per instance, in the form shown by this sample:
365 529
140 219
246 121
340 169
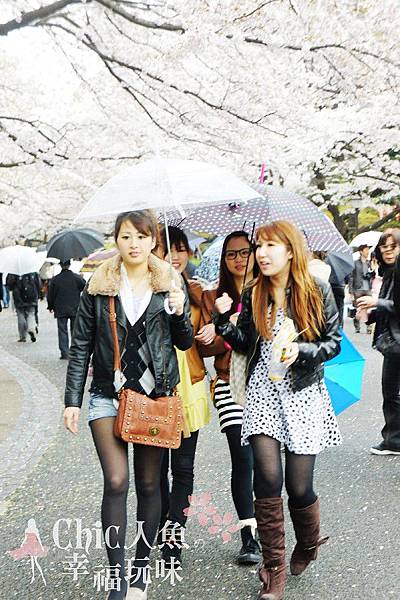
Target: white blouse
134 306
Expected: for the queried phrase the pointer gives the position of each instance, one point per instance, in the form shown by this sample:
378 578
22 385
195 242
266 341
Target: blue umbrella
343 376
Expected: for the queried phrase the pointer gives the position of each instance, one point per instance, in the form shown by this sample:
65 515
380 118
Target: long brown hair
306 299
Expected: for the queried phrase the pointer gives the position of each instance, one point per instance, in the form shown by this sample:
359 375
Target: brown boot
269 515
306 527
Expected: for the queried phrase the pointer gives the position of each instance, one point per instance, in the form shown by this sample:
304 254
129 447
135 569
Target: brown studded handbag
144 420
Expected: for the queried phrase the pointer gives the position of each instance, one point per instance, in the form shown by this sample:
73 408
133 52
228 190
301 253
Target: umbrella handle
168 309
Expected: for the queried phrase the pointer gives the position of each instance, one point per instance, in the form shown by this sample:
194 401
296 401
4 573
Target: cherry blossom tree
308 87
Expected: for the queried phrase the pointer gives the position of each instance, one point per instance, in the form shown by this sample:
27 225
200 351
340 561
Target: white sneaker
136 594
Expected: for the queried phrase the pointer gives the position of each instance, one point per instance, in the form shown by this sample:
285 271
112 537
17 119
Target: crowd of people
274 435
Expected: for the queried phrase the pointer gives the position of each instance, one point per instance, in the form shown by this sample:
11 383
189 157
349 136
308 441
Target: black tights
241 474
113 455
174 499
268 481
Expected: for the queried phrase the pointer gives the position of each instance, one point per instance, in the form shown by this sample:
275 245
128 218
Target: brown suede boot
306 527
269 515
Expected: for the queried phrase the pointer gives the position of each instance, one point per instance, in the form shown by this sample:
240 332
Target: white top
134 306
319 269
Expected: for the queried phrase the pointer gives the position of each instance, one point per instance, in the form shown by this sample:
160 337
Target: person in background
387 324
4 293
193 392
317 265
377 280
360 282
396 287
237 254
25 290
338 289
63 300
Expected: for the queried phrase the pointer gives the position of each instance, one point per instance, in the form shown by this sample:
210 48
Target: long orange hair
306 299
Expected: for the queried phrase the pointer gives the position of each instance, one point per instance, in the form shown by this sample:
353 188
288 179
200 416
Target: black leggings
391 401
241 473
174 500
268 481
113 455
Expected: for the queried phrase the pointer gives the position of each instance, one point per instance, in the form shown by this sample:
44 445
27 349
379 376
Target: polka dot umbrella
276 203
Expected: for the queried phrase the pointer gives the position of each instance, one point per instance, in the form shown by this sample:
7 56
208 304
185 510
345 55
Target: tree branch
112 5
381 222
34 16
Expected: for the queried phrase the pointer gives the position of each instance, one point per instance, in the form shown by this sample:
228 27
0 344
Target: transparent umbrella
165 185
19 260
168 186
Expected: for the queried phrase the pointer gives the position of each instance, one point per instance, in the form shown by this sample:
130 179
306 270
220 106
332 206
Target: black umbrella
74 244
341 265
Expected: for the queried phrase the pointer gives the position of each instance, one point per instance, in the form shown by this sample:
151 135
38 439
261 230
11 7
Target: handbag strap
113 324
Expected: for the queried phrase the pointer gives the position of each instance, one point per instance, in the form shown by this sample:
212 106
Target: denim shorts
101 406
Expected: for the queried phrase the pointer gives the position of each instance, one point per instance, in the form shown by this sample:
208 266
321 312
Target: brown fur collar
106 280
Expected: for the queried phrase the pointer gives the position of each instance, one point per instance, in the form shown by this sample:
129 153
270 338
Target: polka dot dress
304 420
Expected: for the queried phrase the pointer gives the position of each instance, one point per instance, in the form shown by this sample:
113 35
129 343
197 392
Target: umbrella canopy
19 260
163 185
208 269
95 259
343 376
277 203
341 264
370 238
74 244
194 239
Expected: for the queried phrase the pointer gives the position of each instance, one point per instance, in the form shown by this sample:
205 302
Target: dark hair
65 264
145 222
177 238
389 233
226 282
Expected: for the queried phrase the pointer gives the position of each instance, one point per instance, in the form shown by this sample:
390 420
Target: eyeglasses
232 254
388 248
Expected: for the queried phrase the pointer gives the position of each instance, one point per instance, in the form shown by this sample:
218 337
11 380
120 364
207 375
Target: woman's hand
366 302
206 335
176 300
223 304
290 354
71 418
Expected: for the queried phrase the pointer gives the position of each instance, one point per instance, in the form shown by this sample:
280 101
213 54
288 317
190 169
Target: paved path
57 476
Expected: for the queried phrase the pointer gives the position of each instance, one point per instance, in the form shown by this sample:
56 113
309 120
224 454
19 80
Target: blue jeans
101 406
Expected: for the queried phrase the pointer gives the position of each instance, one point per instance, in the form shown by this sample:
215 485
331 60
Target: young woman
140 282
296 411
384 315
193 392
236 254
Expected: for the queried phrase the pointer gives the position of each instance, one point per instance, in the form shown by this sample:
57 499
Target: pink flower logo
201 507
207 516
224 526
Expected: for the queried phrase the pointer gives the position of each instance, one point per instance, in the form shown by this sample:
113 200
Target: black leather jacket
308 368
92 336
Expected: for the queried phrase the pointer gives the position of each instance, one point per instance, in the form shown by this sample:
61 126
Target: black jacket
385 315
308 367
357 278
64 293
14 284
92 333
